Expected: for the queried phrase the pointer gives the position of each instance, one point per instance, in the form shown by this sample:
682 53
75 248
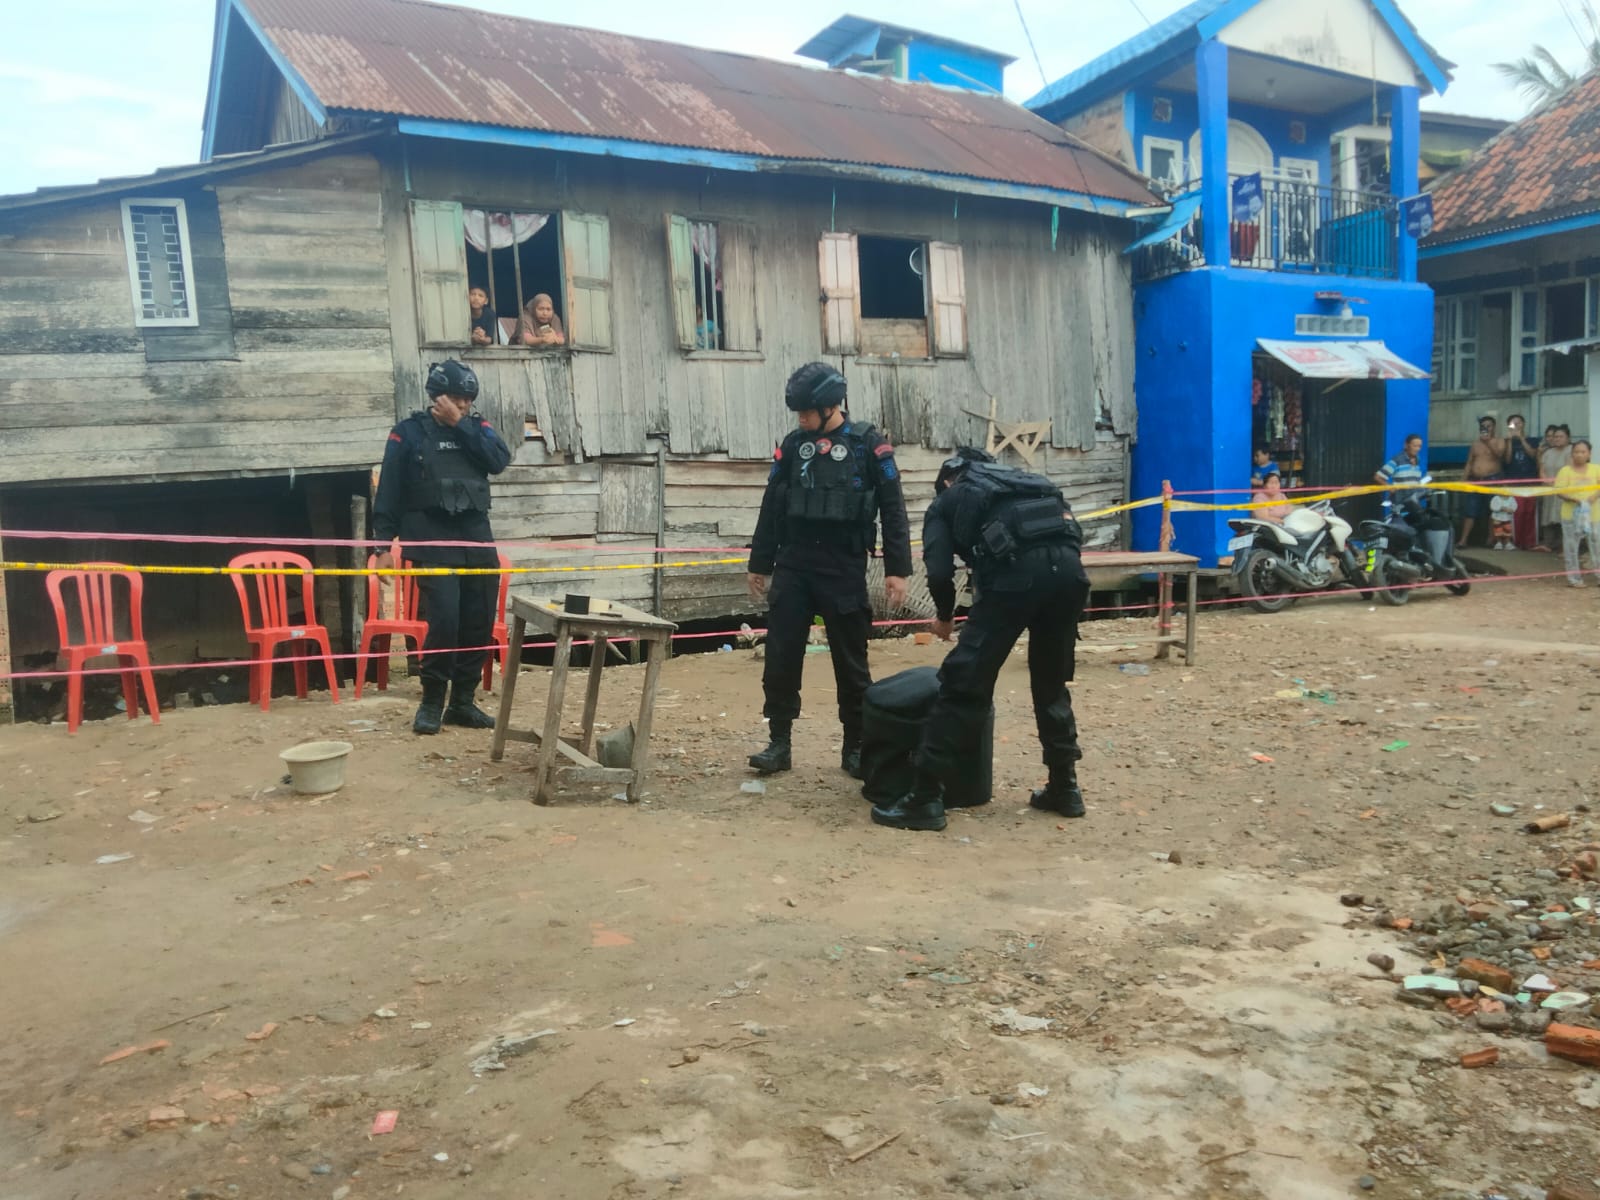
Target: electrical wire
1028 33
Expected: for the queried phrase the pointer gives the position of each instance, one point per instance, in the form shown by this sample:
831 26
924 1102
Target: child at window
485 325
1578 510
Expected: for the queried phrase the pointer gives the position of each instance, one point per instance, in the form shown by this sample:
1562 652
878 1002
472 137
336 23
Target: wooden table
617 622
1109 568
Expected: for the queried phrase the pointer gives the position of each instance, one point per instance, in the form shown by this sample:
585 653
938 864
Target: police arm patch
883 450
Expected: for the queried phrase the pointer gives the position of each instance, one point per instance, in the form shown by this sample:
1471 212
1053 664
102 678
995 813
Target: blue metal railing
1301 227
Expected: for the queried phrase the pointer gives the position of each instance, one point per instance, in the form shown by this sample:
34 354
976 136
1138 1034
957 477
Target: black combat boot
462 711
1061 795
921 809
776 756
850 756
430 713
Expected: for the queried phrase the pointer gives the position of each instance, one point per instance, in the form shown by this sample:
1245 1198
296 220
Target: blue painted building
895 52
1295 324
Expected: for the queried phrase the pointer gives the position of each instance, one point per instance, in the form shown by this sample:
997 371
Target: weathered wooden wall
1050 332
1050 325
311 381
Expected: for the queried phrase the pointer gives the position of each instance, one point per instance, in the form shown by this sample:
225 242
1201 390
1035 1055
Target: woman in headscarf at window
539 325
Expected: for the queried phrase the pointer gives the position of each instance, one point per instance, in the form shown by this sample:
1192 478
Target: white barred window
160 266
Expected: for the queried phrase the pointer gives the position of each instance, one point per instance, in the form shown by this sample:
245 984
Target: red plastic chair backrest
272 591
505 586
406 604
94 594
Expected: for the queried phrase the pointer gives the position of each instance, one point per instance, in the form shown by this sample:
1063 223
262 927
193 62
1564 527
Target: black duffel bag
893 714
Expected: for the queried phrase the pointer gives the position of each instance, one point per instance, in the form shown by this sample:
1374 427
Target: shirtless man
1484 463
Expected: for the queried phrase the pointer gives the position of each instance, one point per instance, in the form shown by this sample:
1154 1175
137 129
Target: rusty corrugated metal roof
409 58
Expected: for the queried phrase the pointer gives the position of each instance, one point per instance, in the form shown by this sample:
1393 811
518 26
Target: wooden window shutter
680 253
841 293
947 289
586 246
439 259
740 329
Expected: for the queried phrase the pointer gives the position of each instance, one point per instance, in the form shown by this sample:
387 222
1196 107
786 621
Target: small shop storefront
1320 409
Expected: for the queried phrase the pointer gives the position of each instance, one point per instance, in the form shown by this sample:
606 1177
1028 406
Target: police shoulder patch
395 437
883 450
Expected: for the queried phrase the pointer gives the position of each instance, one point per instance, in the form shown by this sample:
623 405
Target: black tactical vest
1000 514
829 480
441 477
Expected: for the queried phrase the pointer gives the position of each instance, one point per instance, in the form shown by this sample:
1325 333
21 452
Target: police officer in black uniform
1015 530
831 480
435 487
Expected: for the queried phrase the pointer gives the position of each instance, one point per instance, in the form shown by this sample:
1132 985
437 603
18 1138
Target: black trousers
840 599
459 610
1049 615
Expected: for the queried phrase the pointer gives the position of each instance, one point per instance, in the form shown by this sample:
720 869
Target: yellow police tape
1374 488
1175 505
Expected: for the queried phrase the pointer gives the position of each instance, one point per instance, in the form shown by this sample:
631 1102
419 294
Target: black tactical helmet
452 378
815 385
958 462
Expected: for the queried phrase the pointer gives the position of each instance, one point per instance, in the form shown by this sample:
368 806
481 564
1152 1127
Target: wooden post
1164 578
5 640
326 588
508 689
591 698
548 744
656 648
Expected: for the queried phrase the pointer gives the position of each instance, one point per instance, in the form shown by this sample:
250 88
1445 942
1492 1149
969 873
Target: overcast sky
92 88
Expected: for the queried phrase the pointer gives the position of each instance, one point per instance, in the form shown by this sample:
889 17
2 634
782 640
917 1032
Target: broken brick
1481 1058
263 1033
1576 1042
165 1116
350 876
1486 973
129 1051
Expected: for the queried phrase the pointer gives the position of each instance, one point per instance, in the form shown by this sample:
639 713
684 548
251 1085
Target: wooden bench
1108 569
616 622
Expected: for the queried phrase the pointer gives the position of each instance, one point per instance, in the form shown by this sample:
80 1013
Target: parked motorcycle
1309 552
1413 545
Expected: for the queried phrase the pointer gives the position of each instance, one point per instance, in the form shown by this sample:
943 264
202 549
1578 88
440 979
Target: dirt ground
748 993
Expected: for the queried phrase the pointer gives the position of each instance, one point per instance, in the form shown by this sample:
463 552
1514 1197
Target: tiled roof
428 61
1543 168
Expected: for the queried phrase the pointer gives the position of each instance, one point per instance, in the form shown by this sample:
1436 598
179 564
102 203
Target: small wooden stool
616 622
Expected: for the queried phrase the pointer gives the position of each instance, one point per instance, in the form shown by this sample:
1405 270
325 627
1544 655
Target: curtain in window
503 229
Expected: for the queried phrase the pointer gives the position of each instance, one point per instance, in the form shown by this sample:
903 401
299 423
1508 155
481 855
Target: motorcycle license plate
1243 542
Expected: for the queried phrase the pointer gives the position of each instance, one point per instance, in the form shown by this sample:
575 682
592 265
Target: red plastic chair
379 628
273 629
94 592
502 631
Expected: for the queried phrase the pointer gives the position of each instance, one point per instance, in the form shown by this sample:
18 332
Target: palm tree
1540 76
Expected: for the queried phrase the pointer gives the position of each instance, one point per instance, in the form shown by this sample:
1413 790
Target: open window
892 297
713 285
1565 321
514 257
1164 162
